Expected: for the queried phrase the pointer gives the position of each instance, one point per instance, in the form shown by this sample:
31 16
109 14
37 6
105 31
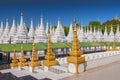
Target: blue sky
83 10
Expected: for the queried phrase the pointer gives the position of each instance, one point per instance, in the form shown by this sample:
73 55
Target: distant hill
113 22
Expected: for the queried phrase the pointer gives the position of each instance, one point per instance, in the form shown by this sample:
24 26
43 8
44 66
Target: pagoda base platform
72 68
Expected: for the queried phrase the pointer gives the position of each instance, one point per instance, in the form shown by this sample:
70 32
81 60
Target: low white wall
99 59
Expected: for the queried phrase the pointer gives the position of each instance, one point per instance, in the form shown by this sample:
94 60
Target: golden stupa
49 57
34 62
14 60
22 60
76 57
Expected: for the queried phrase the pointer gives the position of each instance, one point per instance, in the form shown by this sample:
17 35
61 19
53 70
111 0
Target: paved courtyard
106 72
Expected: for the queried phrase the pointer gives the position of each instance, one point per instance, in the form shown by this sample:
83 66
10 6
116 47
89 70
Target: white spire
41 34
94 31
59 22
91 37
51 31
59 35
6 31
41 24
70 29
105 36
5 36
21 20
99 36
36 30
117 35
41 20
111 35
47 28
1 24
70 34
13 24
31 25
31 30
13 29
117 28
7 24
25 27
1 29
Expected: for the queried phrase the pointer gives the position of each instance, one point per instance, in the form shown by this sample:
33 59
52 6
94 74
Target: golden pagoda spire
34 62
50 57
75 57
22 58
14 60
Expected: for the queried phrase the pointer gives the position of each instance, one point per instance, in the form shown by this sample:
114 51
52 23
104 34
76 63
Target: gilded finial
75 28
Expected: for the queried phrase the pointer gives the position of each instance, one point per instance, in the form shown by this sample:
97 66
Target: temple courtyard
106 72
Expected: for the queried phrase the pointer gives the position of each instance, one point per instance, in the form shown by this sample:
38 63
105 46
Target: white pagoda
81 35
5 36
111 35
105 35
51 31
90 35
94 34
41 35
1 29
99 36
59 35
21 35
69 37
13 30
31 32
117 35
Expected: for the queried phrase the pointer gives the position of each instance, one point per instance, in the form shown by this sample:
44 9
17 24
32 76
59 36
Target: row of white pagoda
19 33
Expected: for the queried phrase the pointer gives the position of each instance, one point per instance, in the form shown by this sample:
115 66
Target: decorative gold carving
22 60
14 60
34 62
49 57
